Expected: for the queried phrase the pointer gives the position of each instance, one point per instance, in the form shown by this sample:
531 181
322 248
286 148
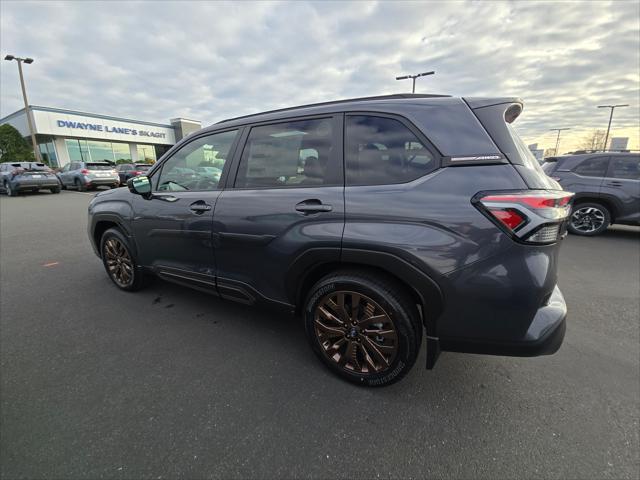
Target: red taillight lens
135 173
533 216
509 217
17 171
84 171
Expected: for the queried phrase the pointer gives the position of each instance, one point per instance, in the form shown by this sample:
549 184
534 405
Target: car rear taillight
135 173
17 171
531 216
84 171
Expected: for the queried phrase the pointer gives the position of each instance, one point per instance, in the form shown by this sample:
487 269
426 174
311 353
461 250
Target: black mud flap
433 351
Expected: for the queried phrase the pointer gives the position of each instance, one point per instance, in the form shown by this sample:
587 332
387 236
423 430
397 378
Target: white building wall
61 151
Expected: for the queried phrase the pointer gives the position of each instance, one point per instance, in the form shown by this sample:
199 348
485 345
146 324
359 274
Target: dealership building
65 136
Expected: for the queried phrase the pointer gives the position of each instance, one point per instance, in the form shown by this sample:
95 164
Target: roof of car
326 107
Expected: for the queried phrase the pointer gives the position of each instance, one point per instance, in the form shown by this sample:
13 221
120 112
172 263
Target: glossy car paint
479 290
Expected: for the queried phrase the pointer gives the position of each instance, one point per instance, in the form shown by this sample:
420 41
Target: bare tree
593 141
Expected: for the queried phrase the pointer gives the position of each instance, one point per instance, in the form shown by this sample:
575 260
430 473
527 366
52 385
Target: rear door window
381 150
625 167
289 154
592 167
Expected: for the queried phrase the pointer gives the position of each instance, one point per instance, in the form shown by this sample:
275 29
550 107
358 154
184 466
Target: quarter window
291 154
628 168
592 167
197 165
383 151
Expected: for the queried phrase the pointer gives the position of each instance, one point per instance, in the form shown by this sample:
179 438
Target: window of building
626 167
193 167
100 151
286 154
146 154
48 153
593 167
382 150
121 152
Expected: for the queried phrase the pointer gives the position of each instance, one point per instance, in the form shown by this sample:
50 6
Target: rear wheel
120 262
55 190
363 326
589 219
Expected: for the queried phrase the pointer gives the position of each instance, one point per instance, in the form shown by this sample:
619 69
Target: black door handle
614 184
199 207
313 206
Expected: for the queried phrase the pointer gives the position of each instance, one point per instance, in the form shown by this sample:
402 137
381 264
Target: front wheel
589 219
120 262
10 191
55 190
363 326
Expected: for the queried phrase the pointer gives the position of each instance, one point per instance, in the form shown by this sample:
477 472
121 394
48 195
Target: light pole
558 138
28 61
612 107
413 77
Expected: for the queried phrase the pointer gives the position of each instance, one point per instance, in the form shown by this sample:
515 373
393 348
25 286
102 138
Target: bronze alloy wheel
118 262
355 332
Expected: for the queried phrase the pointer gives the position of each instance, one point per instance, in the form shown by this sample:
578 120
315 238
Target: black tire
63 186
386 299
79 185
55 190
9 191
589 219
138 278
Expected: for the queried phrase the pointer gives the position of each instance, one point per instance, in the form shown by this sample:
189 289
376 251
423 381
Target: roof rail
336 102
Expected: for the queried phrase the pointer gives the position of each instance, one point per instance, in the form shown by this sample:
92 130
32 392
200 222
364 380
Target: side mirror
139 185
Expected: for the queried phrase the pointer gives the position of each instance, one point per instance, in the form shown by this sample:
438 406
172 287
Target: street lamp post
28 61
612 107
413 77
558 137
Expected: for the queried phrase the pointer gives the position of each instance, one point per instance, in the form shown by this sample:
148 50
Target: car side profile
88 175
16 177
380 220
606 187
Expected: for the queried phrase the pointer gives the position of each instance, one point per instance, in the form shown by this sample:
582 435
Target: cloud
208 61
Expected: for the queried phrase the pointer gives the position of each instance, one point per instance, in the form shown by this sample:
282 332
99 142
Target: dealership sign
97 127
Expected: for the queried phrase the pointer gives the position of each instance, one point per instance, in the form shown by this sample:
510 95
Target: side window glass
286 155
592 167
197 165
383 151
628 168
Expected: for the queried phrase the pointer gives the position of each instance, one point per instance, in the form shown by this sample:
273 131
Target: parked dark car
606 187
16 177
86 175
128 170
376 219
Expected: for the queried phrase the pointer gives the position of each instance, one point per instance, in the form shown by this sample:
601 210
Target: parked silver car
85 175
16 177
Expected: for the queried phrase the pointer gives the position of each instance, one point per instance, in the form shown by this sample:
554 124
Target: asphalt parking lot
169 382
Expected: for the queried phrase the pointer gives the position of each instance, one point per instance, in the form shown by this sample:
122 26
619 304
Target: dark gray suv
377 219
606 187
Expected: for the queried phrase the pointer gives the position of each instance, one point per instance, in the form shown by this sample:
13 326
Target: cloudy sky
211 60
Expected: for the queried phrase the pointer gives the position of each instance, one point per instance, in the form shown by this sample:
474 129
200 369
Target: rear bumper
103 181
544 336
35 184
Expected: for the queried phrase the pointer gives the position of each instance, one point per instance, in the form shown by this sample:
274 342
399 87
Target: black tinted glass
628 167
592 167
286 155
383 151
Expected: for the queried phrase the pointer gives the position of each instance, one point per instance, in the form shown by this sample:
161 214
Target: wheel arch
605 200
423 289
101 224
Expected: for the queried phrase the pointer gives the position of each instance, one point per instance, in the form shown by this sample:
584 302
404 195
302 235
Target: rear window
99 166
39 166
549 165
143 166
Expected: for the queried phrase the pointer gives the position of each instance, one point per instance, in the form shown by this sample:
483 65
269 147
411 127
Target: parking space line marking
51 264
